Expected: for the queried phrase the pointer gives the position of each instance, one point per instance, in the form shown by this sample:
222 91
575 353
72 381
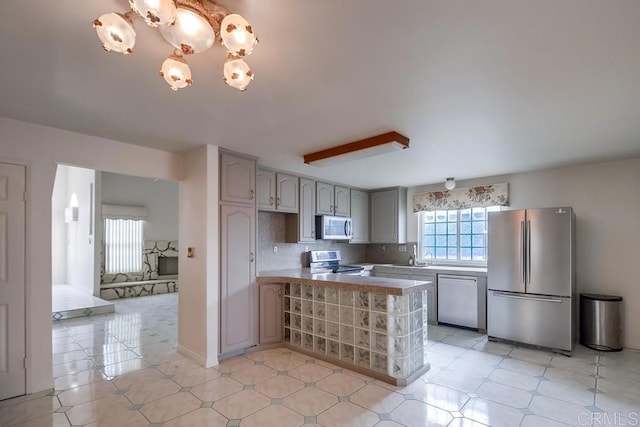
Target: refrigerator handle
530 298
523 264
528 251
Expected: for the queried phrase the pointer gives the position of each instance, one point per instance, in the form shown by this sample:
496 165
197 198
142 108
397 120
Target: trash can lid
601 297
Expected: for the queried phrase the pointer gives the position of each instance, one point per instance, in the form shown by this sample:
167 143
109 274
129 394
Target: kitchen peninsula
373 325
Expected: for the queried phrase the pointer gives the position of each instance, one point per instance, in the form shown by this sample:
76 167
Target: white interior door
12 280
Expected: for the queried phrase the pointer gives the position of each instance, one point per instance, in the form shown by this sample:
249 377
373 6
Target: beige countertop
380 285
435 269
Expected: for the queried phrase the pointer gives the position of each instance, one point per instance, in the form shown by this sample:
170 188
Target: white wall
199 302
59 229
80 239
73 243
606 200
40 148
160 197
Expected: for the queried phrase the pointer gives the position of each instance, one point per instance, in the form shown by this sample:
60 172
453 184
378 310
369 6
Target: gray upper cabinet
277 191
324 198
333 199
237 178
342 201
301 228
286 193
307 210
360 216
266 185
389 216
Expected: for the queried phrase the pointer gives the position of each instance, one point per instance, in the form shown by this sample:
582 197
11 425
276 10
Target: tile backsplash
389 253
271 232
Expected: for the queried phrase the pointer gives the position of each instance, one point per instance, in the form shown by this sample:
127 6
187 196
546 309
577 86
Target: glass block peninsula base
374 333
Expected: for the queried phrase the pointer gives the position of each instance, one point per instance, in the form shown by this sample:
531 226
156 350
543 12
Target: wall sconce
71 212
450 184
385 143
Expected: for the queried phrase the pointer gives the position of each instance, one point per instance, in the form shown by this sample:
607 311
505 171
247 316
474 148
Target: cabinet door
307 216
432 296
270 313
342 199
384 216
287 193
266 188
324 198
360 216
238 299
237 179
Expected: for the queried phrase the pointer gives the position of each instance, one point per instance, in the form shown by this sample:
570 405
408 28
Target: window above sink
454 236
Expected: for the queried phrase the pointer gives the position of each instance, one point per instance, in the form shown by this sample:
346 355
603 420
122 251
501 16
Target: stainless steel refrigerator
531 277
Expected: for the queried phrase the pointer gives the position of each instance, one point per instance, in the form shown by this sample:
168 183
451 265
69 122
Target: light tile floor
122 369
68 302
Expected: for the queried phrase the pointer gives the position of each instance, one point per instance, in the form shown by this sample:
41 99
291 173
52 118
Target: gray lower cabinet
270 313
432 296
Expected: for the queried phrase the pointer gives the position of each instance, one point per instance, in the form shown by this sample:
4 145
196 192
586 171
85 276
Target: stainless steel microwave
333 227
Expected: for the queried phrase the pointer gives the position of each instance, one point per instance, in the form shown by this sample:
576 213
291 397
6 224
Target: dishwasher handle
449 277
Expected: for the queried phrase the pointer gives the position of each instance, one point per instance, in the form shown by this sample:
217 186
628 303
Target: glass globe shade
155 12
237 73
450 184
176 72
237 35
116 33
191 33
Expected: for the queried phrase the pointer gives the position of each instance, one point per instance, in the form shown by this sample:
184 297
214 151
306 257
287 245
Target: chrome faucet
429 257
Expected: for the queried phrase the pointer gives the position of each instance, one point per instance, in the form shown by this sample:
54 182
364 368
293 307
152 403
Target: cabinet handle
251 257
278 202
313 233
271 200
253 194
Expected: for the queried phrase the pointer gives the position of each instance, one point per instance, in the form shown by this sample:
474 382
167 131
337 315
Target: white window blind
123 245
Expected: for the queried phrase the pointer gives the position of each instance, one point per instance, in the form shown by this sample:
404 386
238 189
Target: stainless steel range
329 262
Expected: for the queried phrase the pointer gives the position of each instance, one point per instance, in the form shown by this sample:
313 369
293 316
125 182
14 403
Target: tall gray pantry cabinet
238 290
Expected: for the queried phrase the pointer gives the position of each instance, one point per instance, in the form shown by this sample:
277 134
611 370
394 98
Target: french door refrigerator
531 277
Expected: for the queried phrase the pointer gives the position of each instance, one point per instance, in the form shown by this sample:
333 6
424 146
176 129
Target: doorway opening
114 236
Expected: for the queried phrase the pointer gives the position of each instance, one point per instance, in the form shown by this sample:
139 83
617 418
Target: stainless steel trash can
601 322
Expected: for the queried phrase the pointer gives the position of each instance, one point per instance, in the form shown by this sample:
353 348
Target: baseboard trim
192 355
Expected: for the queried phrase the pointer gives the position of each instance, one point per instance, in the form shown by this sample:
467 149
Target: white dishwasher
458 300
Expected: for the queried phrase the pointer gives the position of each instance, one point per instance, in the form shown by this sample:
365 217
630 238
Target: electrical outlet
275 249
384 248
402 248
306 248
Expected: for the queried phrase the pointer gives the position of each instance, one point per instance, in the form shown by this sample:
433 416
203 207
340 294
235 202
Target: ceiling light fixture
450 184
387 142
190 26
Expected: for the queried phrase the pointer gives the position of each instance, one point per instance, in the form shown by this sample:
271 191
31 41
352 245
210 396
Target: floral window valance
462 198
136 213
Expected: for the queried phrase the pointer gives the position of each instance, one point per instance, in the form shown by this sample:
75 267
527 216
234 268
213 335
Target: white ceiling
480 87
